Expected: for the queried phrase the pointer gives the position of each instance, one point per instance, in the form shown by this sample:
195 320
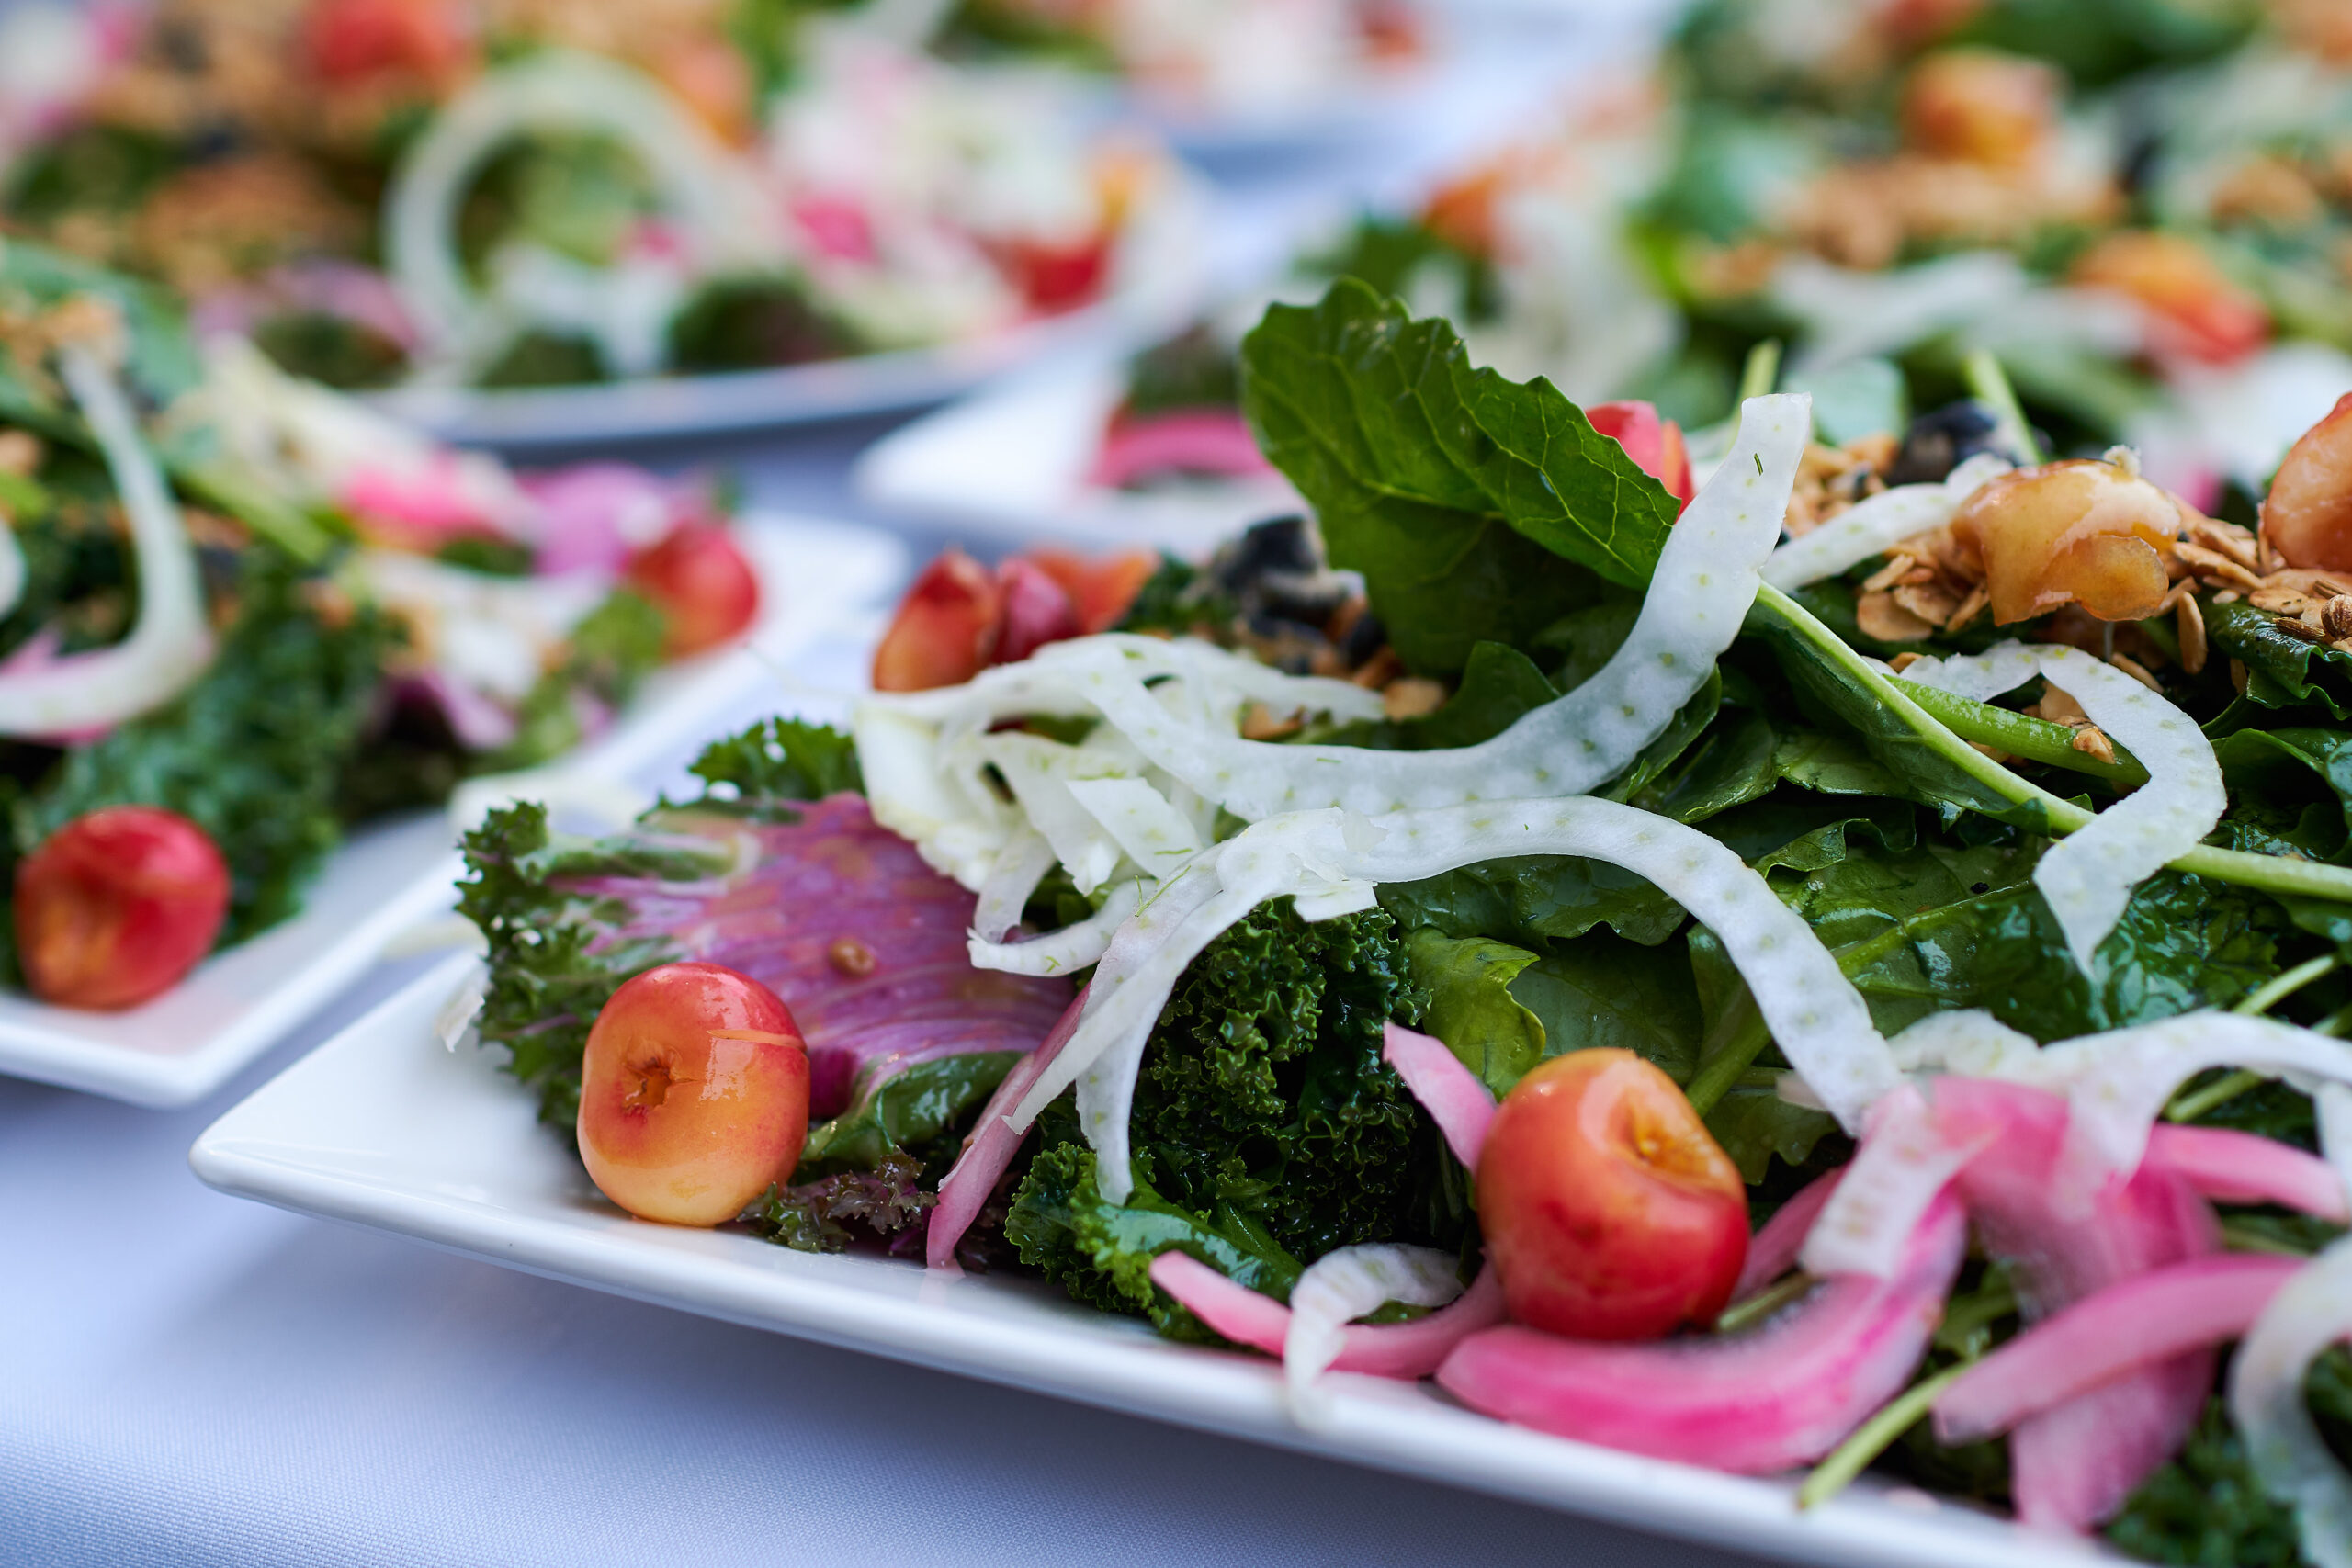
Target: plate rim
1117 1367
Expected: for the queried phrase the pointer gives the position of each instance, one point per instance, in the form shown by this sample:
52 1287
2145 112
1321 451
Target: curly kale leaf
1102 1251
611 651
253 753
553 959
815 1216
1267 1125
756 774
910 1114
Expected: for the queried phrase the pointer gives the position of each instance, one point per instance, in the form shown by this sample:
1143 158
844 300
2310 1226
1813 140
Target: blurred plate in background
1010 464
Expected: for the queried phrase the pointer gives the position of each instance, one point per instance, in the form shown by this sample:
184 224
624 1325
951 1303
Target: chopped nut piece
1903 661
2215 566
2237 675
1410 696
20 453
2335 617
2189 621
2059 707
1979 599
2296 626
1379 669
1260 722
1885 621
2137 671
851 958
2092 741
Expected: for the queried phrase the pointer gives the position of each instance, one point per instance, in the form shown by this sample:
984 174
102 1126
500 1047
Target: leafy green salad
1803 957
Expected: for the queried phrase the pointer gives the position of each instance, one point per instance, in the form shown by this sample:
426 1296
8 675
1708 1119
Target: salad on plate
240 614
1822 958
505 194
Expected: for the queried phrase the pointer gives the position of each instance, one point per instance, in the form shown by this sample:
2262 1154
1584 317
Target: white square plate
393 876
382 1126
1009 464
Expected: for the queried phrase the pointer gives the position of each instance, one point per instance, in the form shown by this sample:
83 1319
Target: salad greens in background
1506 546
304 722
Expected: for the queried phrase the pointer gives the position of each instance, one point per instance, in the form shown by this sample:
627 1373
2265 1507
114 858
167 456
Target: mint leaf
1457 493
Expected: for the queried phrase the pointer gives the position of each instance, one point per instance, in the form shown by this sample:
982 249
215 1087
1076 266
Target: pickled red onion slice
1213 442
2242 1168
1449 1091
965 1188
1772 1250
1766 1399
2148 1318
1387 1350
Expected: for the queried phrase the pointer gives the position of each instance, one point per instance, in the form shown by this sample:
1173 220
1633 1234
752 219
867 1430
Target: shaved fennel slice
956 823
557 91
1904 1163
1037 772
1972 1041
12 569
170 644
1067 950
2334 1103
2089 876
2311 1311
1873 527
2116 1084
1704 582
1340 1287
1816 1014
1157 837
1020 866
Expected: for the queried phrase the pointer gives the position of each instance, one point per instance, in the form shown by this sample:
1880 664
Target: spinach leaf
908 1114
1458 494
1602 990
1472 1008
2282 671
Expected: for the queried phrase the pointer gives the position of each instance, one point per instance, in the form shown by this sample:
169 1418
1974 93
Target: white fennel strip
1063 952
1700 592
1874 526
697 179
1022 864
2311 1311
1816 1014
1342 1286
2089 876
170 643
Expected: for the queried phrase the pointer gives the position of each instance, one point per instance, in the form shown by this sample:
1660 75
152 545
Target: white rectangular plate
393 876
383 1126
1009 464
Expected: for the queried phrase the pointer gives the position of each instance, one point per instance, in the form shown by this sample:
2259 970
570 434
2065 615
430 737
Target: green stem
1764 1303
1854 1455
1762 371
1742 1036
2021 734
2271 874
2192 1103
1988 383
288 527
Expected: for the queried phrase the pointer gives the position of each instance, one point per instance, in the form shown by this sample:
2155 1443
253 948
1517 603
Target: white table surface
189 1379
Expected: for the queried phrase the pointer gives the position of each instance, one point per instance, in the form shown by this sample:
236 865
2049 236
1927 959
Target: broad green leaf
1472 1008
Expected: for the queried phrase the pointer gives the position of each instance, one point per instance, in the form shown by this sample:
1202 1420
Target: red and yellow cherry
351 39
707 592
2197 309
115 907
694 1095
1609 1210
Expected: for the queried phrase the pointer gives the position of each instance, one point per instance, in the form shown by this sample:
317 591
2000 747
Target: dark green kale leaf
1477 509
758 775
1101 1252
553 957
1194 370
253 753
753 322
1268 1129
